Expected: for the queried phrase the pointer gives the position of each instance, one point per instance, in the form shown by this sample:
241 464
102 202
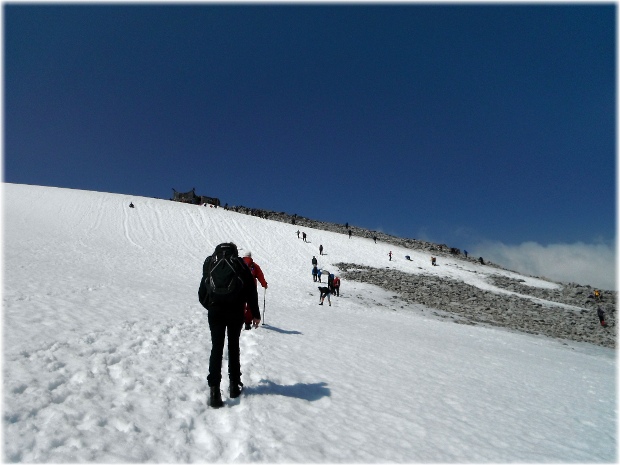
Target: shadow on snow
279 330
310 392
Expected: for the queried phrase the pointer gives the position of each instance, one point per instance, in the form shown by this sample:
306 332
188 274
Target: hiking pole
264 293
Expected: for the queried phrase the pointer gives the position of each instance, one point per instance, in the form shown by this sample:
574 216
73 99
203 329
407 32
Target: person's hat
248 254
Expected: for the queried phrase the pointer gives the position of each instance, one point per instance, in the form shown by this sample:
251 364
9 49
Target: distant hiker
337 286
433 261
407 257
315 272
321 249
258 276
349 234
330 282
597 295
465 252
225 288
298 234
346 226
325 292
601 316
303 235
131 205
314 261
390 255
318 274
374 238
481 261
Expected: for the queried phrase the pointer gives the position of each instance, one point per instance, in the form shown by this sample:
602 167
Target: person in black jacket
325 292
227 318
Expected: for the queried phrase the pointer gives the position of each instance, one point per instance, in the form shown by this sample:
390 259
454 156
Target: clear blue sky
451 123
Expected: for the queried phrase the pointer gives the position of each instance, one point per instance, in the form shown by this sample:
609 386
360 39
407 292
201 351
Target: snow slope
106 351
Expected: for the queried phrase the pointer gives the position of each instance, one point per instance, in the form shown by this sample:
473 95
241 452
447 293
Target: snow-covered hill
106 351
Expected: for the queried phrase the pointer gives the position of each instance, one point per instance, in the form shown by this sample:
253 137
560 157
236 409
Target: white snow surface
106 351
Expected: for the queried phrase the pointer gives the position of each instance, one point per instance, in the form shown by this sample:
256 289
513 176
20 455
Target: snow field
106 351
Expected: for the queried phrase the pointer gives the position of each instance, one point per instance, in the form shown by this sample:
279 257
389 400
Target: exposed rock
517 312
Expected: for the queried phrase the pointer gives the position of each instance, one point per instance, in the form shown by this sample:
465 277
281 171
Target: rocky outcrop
531 311
301 222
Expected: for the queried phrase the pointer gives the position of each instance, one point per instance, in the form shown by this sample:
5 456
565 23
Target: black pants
221 323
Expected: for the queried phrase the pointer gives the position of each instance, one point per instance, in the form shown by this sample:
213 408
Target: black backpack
222 281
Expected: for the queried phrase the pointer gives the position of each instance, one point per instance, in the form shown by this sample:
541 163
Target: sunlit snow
106 351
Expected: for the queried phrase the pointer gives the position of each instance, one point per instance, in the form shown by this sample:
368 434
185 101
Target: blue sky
464 124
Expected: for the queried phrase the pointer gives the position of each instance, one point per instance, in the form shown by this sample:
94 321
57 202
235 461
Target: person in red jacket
258 275
337 286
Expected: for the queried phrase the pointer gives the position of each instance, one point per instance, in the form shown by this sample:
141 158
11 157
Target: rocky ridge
468 304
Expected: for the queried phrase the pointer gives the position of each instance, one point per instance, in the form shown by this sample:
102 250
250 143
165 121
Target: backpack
222 282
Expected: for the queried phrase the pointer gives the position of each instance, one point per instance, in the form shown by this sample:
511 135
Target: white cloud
593 264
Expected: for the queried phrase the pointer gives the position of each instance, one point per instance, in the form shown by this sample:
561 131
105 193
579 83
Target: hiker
225 314
325 293
258 276
433 261
298 234
407 257
374 238
465 252
131 205
321 249
481 261
330 282
314 261
303 235
349 234
318 274
601 316
315 272
597 295
390 255
337 286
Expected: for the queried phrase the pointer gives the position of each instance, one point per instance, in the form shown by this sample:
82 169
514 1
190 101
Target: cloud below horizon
593 264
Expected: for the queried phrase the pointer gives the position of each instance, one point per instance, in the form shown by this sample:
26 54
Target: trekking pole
264 294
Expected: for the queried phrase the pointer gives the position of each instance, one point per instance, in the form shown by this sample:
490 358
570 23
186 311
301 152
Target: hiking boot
235 389
215 397
248 326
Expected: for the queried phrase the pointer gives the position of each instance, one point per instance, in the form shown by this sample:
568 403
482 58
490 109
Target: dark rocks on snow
472 305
